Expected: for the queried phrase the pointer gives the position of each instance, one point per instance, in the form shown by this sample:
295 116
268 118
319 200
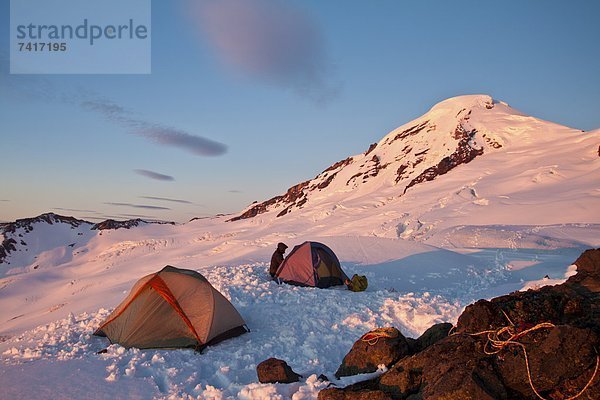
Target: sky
248 97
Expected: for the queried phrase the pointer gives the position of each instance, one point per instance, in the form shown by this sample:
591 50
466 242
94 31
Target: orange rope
497 344
373 336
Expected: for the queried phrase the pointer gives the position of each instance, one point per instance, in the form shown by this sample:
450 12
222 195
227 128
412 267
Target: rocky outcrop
365 356
453 368
16 233
9 244
6 247
413 130
588 272
293 194
50 218
463 154
340 394
112 224
434 334
274 370
561 362
547 341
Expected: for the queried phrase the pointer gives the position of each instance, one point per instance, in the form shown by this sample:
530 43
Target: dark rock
371 148
410 131
6 247
353 177
294 193
364 357
453 368
274 370
588 271
112 224
339 164
463 154
561 362
326 182
400 172
49 218
432 335
341 394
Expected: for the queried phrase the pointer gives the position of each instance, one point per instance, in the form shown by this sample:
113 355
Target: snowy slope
23 240
499 166
519 202
50 239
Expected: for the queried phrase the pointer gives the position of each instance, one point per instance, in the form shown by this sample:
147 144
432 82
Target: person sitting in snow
277 258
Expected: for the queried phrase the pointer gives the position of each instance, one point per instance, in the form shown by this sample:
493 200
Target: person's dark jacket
277 259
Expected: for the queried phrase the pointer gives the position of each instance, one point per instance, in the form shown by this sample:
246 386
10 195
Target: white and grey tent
172 308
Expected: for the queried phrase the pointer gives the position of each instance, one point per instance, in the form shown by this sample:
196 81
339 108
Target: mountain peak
466 101
453 132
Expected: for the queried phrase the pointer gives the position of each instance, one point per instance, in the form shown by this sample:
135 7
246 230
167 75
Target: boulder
453 368
364 357
588 271
432 335
342 394
561 362
274 370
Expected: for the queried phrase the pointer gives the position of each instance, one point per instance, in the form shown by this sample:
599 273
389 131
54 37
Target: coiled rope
372 337
506 336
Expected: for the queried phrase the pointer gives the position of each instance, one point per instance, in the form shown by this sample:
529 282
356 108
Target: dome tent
311 264
172 308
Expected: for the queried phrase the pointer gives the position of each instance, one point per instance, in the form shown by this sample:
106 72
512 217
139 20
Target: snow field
312 329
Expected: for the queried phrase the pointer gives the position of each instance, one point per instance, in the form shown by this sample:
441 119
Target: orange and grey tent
172 308
311 264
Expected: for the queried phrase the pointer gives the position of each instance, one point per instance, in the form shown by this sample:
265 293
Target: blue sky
273 92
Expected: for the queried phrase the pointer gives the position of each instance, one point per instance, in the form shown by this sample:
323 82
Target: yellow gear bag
358 283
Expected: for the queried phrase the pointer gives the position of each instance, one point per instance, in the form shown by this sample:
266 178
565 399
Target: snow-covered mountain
500 166
22 241
454 132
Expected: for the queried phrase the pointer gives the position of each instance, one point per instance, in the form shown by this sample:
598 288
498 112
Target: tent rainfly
311 264
172 308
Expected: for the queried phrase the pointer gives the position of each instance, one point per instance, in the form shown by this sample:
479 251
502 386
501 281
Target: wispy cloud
74 210
40 89
234 191
119 217
166 199
153 175
268 39
137 206
155 132
92 217
174 137
106 107
136 216
4 200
